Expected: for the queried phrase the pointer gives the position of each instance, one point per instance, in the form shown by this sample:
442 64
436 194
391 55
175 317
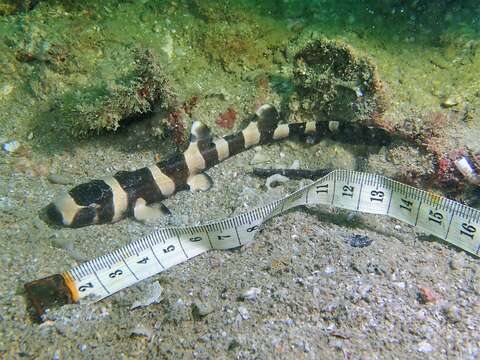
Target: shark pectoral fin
143 212
199 182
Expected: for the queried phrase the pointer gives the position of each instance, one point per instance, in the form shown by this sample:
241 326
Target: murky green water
91 88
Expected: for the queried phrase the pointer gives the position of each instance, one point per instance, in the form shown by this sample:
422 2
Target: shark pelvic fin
200 182
143 212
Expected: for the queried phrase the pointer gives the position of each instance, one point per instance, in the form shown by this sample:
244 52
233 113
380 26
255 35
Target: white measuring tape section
446 219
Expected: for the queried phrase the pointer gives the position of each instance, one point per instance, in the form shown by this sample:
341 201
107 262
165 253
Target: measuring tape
96 279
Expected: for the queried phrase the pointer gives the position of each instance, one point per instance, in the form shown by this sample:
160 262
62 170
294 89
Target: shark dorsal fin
267 117
199 132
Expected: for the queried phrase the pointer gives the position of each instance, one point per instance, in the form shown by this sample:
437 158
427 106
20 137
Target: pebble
452 313
329 270
61 242
6 89
141 330
60 179
152 296
258 158
201 309
457 263
11 147
178 312
424 347
302 344
295 165
449 102
250 294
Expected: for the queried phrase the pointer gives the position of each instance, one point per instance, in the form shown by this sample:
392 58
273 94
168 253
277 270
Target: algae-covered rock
9 7
105 106
333 83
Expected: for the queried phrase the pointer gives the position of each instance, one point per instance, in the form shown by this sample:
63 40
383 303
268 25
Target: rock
178 312
295 165
424 347
201 309
152 296
250 294
333 81
60 179
457 263
258 158
141 330
449 102
329 270
452 313
62 242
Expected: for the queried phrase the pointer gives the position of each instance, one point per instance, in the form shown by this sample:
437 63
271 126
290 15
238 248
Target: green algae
9 7
70 66
334 83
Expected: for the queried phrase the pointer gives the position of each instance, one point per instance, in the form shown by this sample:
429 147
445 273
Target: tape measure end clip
52 291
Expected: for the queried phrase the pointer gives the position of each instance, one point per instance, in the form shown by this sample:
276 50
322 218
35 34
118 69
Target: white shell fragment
250 293
11 146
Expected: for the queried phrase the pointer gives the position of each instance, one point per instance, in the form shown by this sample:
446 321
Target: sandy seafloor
320 298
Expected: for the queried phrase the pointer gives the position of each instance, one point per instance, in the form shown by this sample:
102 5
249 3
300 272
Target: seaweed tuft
104 107
333 82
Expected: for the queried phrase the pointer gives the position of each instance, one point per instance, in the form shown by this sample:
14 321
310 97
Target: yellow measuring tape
96 279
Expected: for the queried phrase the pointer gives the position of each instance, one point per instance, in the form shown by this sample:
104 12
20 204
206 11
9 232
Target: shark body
139 193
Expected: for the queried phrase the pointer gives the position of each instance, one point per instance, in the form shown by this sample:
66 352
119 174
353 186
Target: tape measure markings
98 278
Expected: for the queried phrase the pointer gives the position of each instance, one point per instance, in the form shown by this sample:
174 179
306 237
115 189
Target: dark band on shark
139 193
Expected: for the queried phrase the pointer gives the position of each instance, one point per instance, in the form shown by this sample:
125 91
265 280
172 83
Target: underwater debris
295 174
333 82
464 165
359 241
105 107
176 127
